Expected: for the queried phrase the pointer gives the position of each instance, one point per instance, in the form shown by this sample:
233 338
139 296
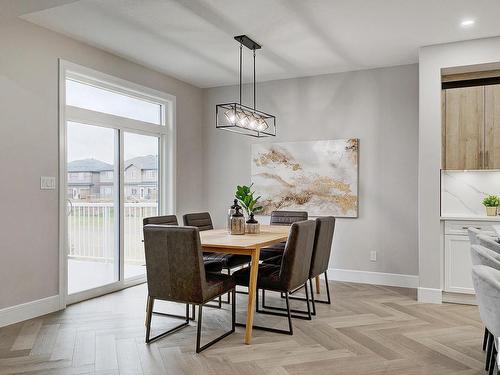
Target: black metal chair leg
307 302
485 338
492 360
266 307
170 331
327 289
171 315
327 302
312 298
200 318
488 351
289 313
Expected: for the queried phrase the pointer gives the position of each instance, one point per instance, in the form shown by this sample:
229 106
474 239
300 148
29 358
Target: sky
86 141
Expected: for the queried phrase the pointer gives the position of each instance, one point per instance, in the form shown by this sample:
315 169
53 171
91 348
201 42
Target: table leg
252 294
318 287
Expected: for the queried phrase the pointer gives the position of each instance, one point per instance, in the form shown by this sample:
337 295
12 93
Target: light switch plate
47 183
373 256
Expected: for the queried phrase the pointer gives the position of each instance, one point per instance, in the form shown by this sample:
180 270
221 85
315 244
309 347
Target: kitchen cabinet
471 127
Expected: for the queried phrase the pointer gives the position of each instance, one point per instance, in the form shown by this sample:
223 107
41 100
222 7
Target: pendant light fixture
239 118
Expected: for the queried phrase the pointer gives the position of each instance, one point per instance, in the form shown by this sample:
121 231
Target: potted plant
245 196
491 203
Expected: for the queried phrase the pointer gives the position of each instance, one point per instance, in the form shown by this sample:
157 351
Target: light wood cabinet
464 128
492 127
471 127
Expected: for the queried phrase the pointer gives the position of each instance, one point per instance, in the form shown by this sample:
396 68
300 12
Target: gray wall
380 107
431 60
29 149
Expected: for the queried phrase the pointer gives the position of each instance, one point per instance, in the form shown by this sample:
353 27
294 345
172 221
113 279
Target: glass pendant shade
241 119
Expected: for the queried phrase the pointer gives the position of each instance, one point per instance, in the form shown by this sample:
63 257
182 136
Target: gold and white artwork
320 177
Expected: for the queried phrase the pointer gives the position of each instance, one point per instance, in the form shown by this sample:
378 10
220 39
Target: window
113 132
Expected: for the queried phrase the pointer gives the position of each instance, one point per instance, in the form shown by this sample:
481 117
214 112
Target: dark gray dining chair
175 272
203 221
323 238
292 273
281 218
487 286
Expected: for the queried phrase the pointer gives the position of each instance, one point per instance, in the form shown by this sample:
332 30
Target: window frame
166 133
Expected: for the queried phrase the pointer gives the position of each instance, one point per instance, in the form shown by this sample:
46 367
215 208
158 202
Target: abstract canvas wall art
320 177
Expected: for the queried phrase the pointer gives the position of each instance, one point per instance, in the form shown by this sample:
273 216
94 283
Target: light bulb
231 116
261 125
242 119
253 123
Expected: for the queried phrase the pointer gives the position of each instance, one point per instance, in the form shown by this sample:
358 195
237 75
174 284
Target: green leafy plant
245 196
491 201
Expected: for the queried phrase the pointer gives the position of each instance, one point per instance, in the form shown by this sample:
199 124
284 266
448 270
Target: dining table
220 241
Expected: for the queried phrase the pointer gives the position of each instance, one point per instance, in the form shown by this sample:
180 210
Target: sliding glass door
117 170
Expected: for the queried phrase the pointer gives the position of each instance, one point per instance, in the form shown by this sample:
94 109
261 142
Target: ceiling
193 39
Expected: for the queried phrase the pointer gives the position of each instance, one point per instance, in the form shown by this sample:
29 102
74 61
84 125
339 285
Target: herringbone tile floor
367 330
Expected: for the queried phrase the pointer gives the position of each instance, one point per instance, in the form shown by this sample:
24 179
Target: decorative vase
491 211
252 225
230 213
237 222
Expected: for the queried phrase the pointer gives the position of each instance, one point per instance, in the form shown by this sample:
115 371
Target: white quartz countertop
471 218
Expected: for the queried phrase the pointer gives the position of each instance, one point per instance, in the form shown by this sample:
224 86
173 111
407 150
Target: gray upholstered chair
203 221
487 286
175 272
211 265
292 273
489 242
481 255
281 218
473 233
323 239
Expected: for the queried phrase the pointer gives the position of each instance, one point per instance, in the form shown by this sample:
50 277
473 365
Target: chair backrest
287 217
161 220
322 245
487 286
174 263
481 255
200 220
489 242
296 262
473 233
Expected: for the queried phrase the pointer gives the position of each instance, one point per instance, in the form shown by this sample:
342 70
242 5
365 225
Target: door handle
70 207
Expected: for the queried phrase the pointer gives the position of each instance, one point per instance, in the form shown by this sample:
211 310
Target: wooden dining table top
220 238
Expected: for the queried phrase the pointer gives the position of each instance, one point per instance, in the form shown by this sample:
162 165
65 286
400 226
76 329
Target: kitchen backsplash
463 191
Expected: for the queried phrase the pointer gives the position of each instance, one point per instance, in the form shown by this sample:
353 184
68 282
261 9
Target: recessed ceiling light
467 23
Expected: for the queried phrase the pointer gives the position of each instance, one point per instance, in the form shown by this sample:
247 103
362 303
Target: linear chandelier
242 119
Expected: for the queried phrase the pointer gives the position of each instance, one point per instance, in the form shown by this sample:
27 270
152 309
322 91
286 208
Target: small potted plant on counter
491 203
244 194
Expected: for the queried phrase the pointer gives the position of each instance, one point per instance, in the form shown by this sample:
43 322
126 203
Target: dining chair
323 239
481 255
203 221
281 218
211 265
489 242
175 272
487 286
292 273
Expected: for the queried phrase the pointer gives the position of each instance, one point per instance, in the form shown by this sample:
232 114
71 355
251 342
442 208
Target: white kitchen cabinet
458 266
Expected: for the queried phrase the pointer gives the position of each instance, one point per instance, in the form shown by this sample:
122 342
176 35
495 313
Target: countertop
471 218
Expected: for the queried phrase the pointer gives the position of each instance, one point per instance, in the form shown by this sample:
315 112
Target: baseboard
429 295
29 310
377 278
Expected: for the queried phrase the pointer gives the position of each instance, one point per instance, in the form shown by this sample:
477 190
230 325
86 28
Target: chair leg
266 307
166 333
485 338
488 351
200 318
290 327
328 301
327 289
312 298
493 360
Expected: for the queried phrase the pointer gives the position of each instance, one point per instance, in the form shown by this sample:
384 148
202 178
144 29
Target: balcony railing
92 230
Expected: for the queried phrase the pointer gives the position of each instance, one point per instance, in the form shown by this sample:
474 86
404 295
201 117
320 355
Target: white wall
380 107
431 60
29 149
